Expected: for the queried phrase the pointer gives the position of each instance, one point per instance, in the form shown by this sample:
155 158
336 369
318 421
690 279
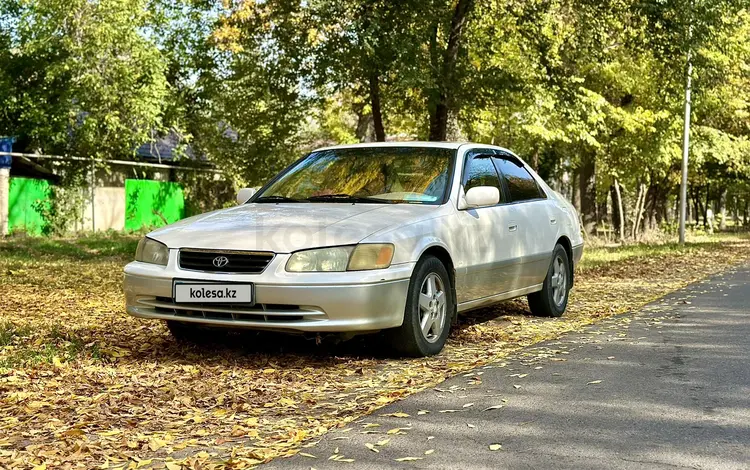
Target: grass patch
87 247
10 332
595 256
29 357
22 346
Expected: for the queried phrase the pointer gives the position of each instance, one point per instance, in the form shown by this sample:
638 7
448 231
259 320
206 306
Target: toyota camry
397 237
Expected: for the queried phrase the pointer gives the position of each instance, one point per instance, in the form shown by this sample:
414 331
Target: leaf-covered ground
82 385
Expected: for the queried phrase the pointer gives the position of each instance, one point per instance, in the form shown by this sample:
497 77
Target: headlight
151 251
342 258
371 256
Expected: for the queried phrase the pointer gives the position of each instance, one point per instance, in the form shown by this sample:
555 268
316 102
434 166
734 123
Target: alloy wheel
559 281
432 307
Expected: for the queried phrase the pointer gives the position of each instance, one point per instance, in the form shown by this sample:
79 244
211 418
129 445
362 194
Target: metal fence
112 199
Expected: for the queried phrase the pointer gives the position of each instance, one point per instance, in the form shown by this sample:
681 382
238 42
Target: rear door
534 214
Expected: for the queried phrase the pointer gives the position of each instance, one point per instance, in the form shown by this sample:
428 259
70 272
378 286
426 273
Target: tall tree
257 97
86 80
444 64
364 46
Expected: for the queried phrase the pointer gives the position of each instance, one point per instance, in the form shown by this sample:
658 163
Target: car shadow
266 346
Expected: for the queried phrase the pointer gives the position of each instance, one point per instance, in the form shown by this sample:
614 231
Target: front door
488 242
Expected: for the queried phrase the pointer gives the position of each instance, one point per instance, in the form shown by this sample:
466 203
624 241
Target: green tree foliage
589 92
83 79
359 46
257 96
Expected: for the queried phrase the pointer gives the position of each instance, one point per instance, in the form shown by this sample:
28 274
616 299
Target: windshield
417 175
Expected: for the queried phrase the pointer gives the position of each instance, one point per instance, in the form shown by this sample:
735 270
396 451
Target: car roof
445 145
424 144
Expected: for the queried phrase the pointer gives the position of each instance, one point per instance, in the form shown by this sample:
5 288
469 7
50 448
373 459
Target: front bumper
309 302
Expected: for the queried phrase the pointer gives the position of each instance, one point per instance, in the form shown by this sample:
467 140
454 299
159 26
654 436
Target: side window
480 171
521 185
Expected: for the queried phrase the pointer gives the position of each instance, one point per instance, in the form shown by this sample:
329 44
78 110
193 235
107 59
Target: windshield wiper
348 198
278 199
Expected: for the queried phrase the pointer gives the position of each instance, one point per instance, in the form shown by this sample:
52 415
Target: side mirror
482 196
244 194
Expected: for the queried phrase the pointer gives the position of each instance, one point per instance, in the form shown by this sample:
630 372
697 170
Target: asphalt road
666 388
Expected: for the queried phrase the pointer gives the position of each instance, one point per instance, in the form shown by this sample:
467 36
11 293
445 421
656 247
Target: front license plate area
213 292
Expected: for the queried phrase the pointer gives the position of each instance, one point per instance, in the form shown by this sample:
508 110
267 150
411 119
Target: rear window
521 185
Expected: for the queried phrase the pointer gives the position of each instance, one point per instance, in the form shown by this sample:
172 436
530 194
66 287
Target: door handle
513 227
553 221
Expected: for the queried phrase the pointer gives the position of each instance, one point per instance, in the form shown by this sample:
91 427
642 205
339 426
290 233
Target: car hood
288 227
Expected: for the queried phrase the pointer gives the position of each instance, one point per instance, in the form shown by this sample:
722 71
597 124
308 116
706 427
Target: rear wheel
429 310
552 300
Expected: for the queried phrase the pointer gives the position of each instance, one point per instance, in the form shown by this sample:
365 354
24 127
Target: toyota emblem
221 261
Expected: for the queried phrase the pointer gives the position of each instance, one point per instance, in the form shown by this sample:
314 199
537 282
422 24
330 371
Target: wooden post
93 187
4 200
6 160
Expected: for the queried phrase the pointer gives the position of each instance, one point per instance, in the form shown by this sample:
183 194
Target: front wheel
430 307
552 300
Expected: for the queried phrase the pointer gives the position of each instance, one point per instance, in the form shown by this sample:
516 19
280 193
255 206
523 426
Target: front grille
237 313
249 262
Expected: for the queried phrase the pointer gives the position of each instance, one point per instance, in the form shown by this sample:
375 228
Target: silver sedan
362 238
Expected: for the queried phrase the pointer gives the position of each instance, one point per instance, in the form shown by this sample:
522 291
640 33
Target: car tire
552 300
186 332
430 302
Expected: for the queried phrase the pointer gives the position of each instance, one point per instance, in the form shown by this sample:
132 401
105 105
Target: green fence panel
152 204
25 196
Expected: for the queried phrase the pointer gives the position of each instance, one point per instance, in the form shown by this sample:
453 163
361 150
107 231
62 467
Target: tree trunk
723 209
535 159
377 116
656 203
706 206
699 210
662 206
744 212
587 184
601 209
575 190
439 121
617 210
364 121
689 209
442 98
637 214
649 206
614 218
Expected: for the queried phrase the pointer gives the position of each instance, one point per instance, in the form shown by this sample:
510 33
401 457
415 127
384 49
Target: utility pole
685 147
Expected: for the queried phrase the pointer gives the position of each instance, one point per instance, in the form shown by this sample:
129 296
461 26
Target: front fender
411 241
